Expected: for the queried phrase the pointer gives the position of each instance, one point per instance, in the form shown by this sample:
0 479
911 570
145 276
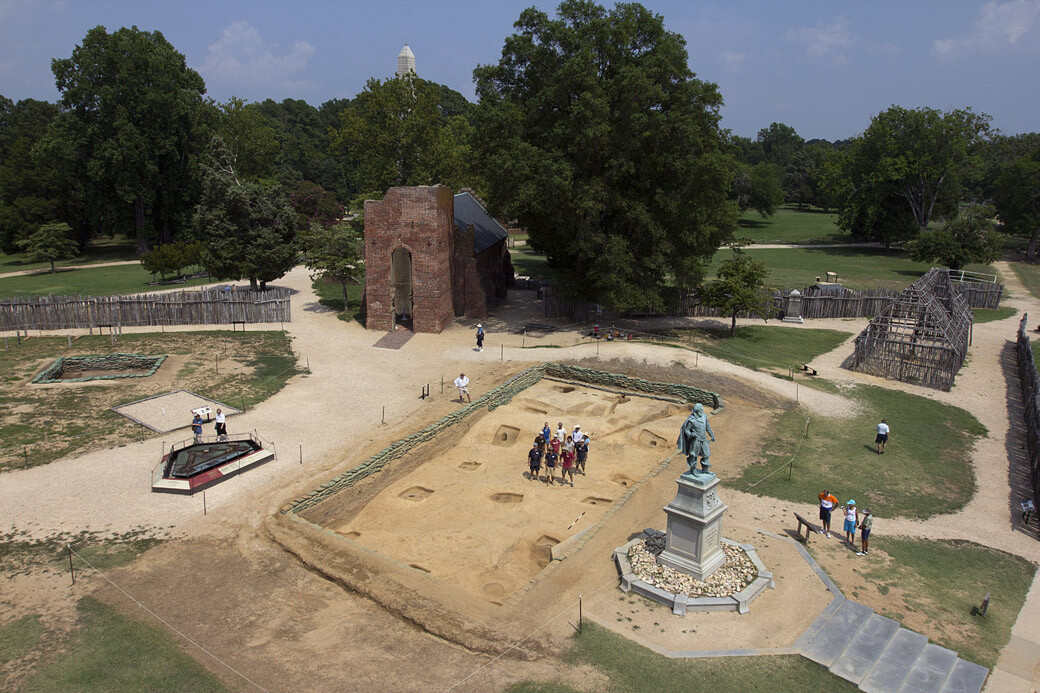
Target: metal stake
204 501
301 453
383 420
72 568
502 352
579 614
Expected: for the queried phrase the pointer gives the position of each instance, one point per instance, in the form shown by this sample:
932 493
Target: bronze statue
693 441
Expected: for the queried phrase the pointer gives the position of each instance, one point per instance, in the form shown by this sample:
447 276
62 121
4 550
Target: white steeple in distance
405 61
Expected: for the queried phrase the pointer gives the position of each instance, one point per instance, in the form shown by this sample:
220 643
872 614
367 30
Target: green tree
171 258
314 204
739 286
759 188
252 136
31 193
247 231
779 143
132 125
593 132
969 237
335 253
395 133
1017 198
920 155
868 210
49 243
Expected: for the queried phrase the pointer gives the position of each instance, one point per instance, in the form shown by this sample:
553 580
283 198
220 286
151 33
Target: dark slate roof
486 231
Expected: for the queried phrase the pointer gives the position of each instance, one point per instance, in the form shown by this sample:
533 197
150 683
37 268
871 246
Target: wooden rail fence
1027 375
207 307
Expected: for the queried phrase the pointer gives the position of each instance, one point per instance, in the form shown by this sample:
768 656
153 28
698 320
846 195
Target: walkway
47 270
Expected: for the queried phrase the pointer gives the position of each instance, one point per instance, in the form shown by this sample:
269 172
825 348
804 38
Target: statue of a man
693 441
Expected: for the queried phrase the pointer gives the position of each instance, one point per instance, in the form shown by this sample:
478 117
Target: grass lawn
761 346
925 471
992 314
632 667
109 653
912 581
792 226
331 296
19 638
857 268
1029 274
1035 346
528 263
98 250
49 422
92 281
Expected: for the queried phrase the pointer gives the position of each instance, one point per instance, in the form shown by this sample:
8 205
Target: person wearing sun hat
480 337
850 522
865 525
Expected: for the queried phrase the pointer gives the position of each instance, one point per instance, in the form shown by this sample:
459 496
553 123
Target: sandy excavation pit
472 517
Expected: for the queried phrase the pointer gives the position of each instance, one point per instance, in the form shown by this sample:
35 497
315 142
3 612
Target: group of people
853 519
569 451
221 426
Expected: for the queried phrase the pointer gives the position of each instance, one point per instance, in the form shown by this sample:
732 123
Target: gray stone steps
879 656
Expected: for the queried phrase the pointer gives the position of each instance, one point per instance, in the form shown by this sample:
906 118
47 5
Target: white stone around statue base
694 527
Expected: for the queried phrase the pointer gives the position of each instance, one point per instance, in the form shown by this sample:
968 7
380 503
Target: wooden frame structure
922 337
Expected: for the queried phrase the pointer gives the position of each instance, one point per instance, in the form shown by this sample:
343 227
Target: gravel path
47 270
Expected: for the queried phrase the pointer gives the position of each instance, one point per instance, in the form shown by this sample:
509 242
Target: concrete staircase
879 656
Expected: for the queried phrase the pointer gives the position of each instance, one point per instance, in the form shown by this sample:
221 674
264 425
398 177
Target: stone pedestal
694 527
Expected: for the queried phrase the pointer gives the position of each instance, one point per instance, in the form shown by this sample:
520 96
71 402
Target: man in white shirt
561 433
462 382
577 436
882 437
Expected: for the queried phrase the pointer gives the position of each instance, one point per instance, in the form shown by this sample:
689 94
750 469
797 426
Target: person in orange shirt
827 505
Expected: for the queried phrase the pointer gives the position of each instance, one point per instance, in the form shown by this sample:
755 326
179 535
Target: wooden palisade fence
1027 375
207 307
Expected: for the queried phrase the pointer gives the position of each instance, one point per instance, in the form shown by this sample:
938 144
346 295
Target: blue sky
823 67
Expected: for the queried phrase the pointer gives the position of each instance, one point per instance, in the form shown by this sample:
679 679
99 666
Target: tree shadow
1019 475
754 223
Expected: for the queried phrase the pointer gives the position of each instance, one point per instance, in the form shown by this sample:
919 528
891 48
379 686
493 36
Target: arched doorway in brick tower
401 283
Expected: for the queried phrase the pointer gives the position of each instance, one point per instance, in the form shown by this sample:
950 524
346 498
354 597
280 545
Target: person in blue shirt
196 427
546 432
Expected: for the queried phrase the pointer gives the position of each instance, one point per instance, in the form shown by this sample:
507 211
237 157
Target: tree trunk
1031 250
252 283
263 286
142 240
344 285
733 325
52 271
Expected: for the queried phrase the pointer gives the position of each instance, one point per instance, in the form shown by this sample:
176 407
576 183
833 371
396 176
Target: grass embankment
993 314
932 586
857 268
90 281
1029 274
109 652
760 346
926 469
631 667
46 422
98 250
792 226
331 296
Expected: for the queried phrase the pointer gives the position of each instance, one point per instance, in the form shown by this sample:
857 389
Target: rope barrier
805 434
164 622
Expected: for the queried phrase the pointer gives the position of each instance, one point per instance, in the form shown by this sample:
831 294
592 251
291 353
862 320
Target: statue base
694 527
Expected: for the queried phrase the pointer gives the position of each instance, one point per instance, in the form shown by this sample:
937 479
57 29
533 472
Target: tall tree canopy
132 123
593 132
31 193
1017 198
971 236
247 232
397 133
918 155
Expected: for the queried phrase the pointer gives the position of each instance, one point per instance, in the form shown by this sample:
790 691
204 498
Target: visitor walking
534 460
550 462
196 427
462 382
546 432
865 526
480 337
221 425
882 437
850 522
827 504
567 462
582 451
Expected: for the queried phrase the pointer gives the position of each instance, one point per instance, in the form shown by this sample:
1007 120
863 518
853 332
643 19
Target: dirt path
47 270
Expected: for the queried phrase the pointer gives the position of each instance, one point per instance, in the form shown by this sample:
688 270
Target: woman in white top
850 521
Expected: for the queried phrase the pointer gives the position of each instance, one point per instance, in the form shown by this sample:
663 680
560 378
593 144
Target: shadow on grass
754 223
1019 476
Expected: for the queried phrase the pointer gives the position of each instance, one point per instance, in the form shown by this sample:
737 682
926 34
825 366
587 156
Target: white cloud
242 58
821 40
999 24
732 59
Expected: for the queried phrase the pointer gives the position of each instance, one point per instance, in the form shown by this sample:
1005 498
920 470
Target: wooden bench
809 370
809 527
